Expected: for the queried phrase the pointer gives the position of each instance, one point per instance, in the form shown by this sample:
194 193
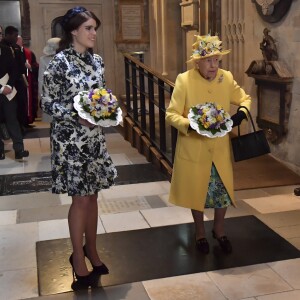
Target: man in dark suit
8 104
10 39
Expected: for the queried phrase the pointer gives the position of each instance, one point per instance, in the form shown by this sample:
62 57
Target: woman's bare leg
219 221
77 218
91 231
199 224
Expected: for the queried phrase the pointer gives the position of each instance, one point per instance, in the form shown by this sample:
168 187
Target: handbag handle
249 114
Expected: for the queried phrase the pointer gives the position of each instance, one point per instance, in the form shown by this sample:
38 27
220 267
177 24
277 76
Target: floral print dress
80 162
217 196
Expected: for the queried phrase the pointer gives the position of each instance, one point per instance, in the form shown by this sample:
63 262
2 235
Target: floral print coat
80 162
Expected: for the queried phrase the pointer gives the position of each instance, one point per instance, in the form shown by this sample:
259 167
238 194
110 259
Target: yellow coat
195 153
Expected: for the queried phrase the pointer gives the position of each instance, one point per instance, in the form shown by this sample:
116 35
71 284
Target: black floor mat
138 255
14 184
36 133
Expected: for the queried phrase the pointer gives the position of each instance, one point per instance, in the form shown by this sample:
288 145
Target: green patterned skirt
217 196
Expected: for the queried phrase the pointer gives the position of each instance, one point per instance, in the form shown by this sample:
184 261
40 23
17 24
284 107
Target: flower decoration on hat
207 45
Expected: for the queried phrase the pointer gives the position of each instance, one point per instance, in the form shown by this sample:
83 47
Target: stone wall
287 34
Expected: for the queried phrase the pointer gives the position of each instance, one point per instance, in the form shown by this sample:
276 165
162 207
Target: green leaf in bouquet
201 127
195 110
223 126
214 131
86 108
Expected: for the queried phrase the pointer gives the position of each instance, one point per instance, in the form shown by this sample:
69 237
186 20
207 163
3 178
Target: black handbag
251 144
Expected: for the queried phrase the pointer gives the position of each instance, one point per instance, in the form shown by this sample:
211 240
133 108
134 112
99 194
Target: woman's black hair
71 21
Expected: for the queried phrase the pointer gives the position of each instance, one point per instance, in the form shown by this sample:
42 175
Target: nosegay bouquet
210 119
98 106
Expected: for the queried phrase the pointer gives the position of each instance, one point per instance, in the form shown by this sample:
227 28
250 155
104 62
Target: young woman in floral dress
81 165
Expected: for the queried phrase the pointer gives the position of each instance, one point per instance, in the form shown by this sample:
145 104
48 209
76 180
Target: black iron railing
147 95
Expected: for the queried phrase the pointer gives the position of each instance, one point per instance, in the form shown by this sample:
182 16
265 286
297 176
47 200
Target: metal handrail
147 96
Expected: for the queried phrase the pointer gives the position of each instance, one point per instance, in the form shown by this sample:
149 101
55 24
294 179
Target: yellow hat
205 46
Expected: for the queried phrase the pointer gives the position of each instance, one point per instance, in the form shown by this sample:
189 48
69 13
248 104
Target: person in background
8 102
49 52
32 69
21 83
81 165
4 135
202 172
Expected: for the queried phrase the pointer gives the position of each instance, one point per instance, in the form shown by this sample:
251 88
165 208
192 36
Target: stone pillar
166 47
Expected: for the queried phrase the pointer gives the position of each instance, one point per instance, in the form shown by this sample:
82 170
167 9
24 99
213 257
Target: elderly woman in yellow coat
202 172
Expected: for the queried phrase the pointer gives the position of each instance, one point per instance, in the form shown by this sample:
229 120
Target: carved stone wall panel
233 36
189 14
270 111
132 21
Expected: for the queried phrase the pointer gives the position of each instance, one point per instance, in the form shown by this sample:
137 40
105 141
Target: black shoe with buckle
2 155
202 245
21 154
223 242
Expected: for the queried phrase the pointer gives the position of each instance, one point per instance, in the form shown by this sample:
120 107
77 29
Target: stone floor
26 219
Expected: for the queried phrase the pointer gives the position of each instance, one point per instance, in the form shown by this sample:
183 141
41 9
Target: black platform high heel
82 280
99 270
223 242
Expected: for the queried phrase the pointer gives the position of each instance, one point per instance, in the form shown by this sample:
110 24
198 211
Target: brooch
221 78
